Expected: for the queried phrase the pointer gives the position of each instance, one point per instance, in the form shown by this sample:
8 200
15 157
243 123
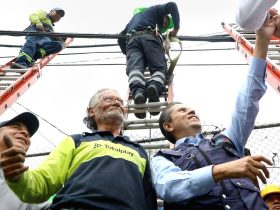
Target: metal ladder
150 122
14 82
245 43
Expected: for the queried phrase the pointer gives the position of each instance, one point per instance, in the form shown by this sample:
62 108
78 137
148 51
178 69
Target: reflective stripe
29 59
101 148
42 52
136 76
134 79
136 72
159 77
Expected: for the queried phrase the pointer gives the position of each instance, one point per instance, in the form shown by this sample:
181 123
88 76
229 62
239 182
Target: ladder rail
247 49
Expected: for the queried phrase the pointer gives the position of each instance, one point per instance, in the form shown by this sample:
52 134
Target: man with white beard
98 170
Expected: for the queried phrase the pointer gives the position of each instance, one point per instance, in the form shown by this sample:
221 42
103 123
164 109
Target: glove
39 27
173 33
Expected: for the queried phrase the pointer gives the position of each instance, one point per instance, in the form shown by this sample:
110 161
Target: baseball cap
27 118
60 11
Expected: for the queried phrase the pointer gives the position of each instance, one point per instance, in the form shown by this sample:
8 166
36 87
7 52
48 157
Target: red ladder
14 82
245 41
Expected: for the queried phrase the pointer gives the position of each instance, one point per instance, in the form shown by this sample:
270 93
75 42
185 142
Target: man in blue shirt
214 174
144 49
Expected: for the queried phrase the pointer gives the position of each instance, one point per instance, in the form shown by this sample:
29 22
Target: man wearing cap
204 174
17 132
37 47
271 195
144 49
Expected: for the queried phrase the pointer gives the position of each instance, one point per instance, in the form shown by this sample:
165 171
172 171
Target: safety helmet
269 189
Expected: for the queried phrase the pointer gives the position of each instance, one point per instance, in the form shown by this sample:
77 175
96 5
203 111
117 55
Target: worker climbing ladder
14 82
245 43
165 99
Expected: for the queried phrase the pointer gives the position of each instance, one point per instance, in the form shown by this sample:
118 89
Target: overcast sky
62 94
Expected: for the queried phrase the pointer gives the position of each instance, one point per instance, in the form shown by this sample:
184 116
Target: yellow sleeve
37 16
38 185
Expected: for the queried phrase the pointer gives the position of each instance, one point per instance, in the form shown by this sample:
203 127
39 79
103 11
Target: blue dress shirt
174 185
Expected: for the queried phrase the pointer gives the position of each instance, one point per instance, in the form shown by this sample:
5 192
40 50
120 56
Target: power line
123 64
37 116
44 120
75 46
80 61
211 38
113 52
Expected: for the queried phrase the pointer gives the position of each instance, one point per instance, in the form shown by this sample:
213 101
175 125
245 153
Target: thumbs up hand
12 160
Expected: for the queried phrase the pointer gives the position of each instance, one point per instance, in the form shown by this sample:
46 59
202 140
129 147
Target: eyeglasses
112 99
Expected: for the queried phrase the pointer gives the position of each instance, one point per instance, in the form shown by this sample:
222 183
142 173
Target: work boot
18 66
139 98
153 96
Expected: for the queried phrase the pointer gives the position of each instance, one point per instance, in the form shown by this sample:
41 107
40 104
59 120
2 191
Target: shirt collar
192 140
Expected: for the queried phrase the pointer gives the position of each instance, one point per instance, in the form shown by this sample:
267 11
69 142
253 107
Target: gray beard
113 116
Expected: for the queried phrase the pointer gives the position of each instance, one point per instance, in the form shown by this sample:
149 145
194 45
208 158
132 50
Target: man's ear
168 126
91 111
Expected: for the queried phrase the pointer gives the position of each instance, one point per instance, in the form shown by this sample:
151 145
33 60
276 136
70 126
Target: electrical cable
43 120
123 64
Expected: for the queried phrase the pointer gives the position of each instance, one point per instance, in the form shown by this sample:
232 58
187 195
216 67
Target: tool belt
148 30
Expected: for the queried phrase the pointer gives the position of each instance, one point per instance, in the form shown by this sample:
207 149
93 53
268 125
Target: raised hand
12 160
268 28
273 12
264 35
173 33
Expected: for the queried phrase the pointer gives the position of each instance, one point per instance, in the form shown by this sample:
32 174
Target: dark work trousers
145 50
30 51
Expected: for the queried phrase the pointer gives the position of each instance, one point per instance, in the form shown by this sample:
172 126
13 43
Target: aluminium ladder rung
131 122
158 109
273 48
20 71
140 127
3 87
249 36
9 77
244 31
271 41
5 84
274 57
147 105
